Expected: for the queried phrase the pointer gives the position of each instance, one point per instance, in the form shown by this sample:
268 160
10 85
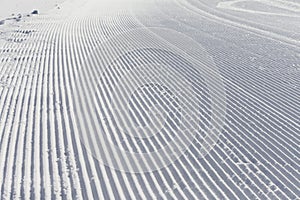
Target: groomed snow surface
153 99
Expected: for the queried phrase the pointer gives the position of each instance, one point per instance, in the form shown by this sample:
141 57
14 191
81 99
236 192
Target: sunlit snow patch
145 96
284 8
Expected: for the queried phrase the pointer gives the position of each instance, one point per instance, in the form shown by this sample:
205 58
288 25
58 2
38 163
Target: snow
9 7
146 99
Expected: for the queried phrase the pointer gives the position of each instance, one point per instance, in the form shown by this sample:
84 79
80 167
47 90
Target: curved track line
279 4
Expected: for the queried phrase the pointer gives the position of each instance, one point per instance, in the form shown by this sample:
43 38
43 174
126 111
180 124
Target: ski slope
156 99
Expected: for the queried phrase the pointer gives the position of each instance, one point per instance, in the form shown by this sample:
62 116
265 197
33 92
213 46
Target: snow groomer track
156 99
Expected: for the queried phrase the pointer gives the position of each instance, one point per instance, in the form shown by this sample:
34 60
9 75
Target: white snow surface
10 7
150 99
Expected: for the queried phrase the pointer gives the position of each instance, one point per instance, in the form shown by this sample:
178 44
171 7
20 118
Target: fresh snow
150 99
